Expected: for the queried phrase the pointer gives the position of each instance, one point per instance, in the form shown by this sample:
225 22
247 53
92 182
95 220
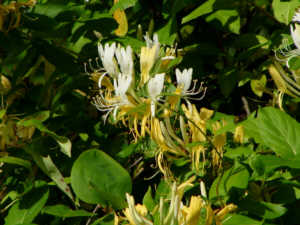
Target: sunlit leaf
28 207
97 178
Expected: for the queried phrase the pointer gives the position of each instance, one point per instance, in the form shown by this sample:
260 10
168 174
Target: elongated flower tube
124 57
147 61
155 87
151 43
106 54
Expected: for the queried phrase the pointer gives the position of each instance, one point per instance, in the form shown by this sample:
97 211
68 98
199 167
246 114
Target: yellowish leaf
121 19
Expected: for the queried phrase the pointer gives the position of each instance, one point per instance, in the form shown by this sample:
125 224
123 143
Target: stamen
85 68
91 66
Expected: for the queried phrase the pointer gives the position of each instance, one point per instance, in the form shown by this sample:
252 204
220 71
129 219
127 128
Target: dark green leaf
64 211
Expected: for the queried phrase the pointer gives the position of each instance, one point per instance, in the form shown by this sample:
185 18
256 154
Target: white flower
151 43
286 53
155 87
295 29
107 57
121 85
124 57
184 80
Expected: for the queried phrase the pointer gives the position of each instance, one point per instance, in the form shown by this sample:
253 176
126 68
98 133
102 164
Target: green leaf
262 209
284 10
235 219
16 161
64 211
229 19
294 63
51 8
227 81
203 9
122 5
105 220
148 201
29 206
264 165
277 130
235 177
2 113
64 143
96 178
238 152
136 44
48 167
167 34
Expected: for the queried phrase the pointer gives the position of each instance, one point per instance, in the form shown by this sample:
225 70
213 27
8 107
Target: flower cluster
152 102
173 211
137 98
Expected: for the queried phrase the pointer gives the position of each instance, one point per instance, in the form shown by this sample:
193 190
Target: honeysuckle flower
124 57
184 80
106 54
286 53
147 60
172 211
155 87
109 104
135 214
151 43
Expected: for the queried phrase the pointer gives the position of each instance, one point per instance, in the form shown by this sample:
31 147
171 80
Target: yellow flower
191 214
239 134
147 61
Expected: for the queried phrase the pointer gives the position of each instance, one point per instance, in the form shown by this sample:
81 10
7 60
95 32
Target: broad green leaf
16 161
28 207
241 151
235 219
284 10
133 42
229 19
64 143
233 178
148 201
227 81
276 130
98 179
48 167
203 9
262 209
52 8
264 165
64 211
167 34
122 5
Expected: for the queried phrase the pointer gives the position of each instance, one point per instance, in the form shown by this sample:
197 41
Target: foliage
100 122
